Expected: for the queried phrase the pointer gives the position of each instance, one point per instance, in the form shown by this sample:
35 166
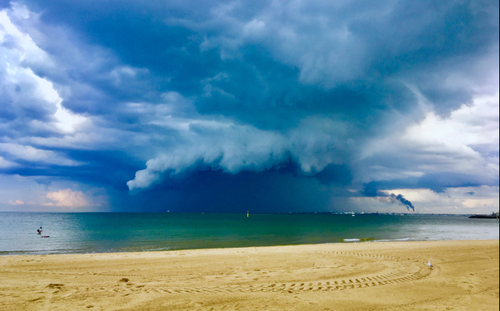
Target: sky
232 105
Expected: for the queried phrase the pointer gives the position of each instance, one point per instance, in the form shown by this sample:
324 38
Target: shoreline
346 242
340 276
84 233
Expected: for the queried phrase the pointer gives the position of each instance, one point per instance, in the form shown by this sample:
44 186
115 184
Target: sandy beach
363 276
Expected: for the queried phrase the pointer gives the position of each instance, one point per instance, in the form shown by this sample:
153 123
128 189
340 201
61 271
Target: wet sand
363 276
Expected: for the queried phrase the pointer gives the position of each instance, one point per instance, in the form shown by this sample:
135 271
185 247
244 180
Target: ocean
135 232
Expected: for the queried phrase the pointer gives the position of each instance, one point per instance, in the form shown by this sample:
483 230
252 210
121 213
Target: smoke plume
371 191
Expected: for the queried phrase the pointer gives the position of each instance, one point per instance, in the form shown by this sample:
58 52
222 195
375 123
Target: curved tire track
392 278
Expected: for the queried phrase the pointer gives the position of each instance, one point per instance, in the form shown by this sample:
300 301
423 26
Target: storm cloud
137 96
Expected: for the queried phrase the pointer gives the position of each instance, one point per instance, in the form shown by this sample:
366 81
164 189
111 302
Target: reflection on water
117 232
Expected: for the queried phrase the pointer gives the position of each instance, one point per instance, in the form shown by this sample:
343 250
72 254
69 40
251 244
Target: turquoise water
119 232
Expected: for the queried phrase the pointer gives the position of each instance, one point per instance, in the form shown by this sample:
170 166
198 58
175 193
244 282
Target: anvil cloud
150 100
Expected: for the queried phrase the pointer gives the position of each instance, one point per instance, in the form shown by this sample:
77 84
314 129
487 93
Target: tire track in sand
392 278
395 277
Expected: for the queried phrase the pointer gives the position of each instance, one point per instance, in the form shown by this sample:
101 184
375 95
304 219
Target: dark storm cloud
240 86
437 182
216 191
330 43
335 64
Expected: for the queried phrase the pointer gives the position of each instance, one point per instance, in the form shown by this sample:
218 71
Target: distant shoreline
484 216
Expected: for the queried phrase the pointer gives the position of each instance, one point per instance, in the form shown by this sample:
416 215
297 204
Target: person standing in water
39 230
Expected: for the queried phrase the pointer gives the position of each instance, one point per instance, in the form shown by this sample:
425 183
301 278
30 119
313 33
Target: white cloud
16 202
29 153
465 142
20 53
467 200
6 164
468 125
33 191
26 50
40 67
67 198
24 188
460 200
67 121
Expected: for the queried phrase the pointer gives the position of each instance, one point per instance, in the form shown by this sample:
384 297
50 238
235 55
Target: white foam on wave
351 240
393 240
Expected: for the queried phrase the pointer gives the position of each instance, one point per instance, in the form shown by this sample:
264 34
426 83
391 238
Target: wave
393 240
374 240
358 240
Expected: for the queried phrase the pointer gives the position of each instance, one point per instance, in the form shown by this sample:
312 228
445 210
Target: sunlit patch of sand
375 276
